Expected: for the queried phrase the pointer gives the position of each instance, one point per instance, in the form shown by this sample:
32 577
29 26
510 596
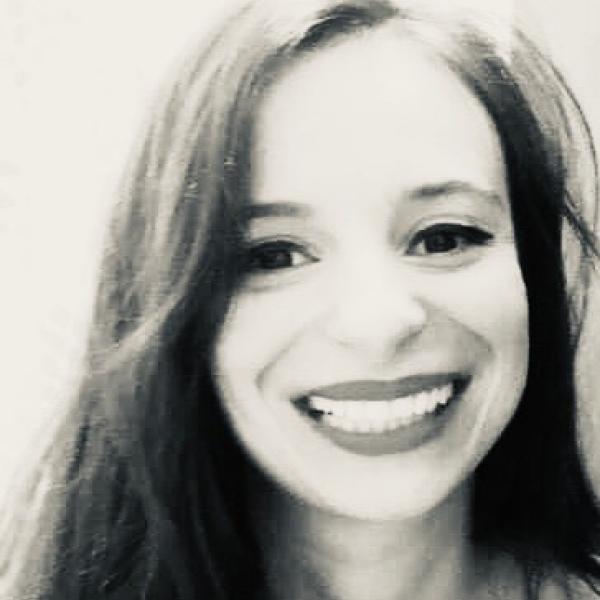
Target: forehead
375 114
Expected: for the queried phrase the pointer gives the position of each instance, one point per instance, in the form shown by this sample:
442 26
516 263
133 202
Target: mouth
379 417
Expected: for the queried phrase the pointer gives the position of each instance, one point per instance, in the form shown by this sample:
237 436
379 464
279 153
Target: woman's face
377 345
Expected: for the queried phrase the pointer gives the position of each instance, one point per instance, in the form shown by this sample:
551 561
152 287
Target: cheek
489 300
487 304
258 330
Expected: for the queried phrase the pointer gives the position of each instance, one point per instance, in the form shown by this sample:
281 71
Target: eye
447 238
275 255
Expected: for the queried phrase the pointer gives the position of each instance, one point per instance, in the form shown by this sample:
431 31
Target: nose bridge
376 305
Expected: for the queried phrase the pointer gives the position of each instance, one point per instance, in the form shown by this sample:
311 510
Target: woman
333 349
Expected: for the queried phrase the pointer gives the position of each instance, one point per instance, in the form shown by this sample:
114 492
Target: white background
76 77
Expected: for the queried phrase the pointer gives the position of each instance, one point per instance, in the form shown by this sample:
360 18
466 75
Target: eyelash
271 256
464 236
256 257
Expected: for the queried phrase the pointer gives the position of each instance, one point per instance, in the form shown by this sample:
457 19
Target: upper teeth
378 414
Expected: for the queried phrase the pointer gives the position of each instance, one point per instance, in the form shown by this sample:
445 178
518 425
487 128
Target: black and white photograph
300 300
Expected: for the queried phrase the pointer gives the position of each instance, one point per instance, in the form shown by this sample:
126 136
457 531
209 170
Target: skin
358 151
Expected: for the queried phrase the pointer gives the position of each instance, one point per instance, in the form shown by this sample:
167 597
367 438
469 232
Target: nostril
377 325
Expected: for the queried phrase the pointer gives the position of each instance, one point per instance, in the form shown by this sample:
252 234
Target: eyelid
451 225
297 244
456 228
475 236
286 244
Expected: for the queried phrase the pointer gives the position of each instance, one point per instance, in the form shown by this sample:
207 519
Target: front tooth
333 421
433 399
356 410
345 425
396 410
354 426
380 415
443 394
381 410
364 409
416 404
388 409
379 427
320 403
440 395
424 399
375 410
404 408
346 410
346 422
424 403
447 394
364 427
433 402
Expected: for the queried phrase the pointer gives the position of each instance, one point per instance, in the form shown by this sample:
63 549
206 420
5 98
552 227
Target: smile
366 416
383 417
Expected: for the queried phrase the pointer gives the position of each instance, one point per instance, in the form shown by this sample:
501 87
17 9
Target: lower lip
402 439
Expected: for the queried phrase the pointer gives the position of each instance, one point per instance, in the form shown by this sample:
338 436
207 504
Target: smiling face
377 344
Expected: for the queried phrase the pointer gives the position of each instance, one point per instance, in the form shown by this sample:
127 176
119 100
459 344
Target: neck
312 554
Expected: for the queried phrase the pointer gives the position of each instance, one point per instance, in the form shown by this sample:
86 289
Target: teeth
364 416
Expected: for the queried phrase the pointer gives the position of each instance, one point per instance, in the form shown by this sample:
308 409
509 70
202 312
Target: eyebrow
275 209
424 192
454 187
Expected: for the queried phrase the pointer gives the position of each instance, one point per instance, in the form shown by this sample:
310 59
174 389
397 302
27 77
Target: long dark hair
146 496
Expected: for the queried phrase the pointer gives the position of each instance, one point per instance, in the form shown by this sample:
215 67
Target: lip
384 389
405 437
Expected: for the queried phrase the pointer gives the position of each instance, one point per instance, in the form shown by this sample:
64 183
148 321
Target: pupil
440 242
273 258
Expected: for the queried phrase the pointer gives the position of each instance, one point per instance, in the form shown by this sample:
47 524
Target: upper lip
384 389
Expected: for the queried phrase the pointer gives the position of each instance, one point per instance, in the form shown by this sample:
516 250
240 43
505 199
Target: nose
375 310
